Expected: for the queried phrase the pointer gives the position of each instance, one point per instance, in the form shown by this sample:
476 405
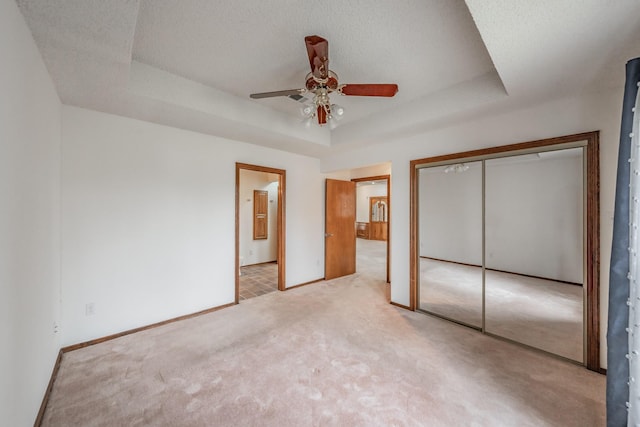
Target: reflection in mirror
534 250
450 242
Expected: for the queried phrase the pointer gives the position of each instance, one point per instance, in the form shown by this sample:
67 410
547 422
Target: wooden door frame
378 178
592 226
280 221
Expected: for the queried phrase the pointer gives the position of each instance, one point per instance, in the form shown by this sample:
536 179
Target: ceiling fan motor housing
313 82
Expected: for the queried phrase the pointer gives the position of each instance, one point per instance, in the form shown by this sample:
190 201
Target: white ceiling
192 64
249 47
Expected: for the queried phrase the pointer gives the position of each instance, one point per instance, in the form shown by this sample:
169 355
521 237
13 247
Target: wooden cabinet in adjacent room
362 230
378 231
260 214
379 218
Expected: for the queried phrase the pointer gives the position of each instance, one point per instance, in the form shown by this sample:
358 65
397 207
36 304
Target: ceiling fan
321 81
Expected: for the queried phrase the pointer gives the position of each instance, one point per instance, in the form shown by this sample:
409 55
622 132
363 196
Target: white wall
29 222
148 216
263 250
534 216
588 112
364 193
370 170
450 211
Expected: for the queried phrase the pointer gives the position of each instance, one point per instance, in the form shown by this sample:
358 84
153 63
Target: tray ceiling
192 64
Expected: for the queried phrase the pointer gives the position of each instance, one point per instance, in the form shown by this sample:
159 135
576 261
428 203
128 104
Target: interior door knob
328 234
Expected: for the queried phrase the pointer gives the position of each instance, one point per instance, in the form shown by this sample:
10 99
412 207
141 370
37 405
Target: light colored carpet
451 290
371 258
541 313
329 354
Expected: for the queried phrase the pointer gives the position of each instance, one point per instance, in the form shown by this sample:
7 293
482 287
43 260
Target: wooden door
340 231
378 218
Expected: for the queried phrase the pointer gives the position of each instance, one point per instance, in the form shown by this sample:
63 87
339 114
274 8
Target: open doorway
260 255
373 209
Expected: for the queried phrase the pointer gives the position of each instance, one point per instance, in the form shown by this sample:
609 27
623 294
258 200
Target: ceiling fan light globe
337 111
308 122
306 111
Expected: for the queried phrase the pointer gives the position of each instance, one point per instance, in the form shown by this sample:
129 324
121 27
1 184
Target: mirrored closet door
501 246
534 250
450 252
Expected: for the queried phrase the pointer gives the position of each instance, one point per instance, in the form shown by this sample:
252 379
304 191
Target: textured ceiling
248 47
557 47
192 64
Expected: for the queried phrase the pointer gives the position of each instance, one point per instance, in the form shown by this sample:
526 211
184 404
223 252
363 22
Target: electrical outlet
56 329
250 252
89 309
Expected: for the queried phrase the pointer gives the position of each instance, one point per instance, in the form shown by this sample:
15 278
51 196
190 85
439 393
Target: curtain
634 274
621 326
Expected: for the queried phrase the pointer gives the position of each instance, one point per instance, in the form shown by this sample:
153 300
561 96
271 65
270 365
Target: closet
505 243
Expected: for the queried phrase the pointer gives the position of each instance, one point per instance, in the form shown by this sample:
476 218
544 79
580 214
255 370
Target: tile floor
258 279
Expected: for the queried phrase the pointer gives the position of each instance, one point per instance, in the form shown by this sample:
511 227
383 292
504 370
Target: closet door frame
590 142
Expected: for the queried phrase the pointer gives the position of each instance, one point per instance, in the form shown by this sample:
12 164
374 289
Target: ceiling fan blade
289 92
318 50
387 90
